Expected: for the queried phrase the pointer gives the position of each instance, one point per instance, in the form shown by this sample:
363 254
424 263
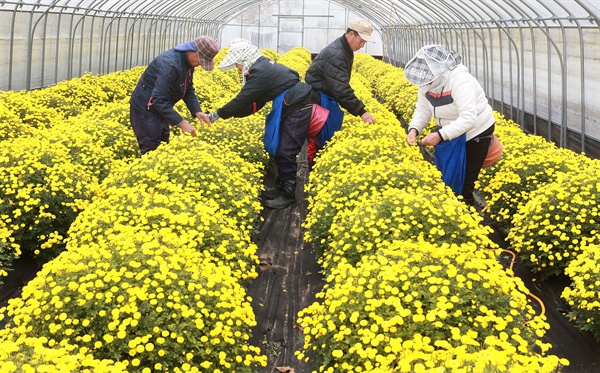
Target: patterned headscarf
240 51
429 63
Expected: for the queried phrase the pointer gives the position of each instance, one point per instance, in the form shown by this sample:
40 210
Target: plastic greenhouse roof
382 13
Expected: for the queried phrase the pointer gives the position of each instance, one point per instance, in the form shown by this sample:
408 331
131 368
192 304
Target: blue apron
334 121
272 125
451 159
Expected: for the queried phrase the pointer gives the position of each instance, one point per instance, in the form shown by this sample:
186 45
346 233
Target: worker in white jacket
457 102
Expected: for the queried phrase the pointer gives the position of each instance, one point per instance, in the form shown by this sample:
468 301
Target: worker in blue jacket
167 80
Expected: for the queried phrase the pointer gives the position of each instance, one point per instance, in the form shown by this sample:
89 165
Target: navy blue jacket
166 80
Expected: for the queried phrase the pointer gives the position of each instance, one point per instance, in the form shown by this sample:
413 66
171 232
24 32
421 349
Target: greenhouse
300 186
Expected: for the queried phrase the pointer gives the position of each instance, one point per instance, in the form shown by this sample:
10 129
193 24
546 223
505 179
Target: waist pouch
494 152
318 119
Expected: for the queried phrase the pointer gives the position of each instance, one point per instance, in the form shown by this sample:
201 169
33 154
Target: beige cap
363 27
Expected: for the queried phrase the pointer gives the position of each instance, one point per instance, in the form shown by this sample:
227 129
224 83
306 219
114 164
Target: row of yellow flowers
23 111
185 210
413 283
48 172
153 274
546 199
60 142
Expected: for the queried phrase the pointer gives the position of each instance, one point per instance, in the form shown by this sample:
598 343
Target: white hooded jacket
460 107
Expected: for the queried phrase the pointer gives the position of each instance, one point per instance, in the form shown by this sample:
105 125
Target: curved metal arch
183 9
563 66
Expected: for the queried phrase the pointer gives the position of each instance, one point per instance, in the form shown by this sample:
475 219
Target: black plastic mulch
289 277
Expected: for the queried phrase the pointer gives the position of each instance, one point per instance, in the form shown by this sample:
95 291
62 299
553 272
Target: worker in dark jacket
289 122
166 80
330 73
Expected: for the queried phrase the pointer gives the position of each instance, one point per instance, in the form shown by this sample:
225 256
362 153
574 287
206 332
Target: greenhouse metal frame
538 61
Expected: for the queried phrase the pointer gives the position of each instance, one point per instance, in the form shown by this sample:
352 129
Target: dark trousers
477 149
293 134
150 128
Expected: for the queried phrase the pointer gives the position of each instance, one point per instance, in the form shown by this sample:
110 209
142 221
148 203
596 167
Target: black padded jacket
264 81
330 73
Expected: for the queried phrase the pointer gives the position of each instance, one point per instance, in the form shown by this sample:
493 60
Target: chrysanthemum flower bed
9 250
510 189
216 215
393 214
154 272
417 307
42 190
388 82
56 171
143 297
369 164
27 354
46 107
357 216
557 220
543 196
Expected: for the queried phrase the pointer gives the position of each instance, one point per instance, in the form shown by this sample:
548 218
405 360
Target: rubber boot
287 197
273 191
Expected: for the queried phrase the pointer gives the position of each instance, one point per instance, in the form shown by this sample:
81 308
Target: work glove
213 117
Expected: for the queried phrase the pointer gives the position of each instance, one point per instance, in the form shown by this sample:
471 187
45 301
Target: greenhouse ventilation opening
537 60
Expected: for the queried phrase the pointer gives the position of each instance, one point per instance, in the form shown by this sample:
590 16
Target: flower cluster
220 190
510 188
391 214
358 162
42 191
45 108
154 272
157 257
556 220
552 215
388 82
418 306
11 125
584 293
50 170
141 296
29 354
298 59
9 250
